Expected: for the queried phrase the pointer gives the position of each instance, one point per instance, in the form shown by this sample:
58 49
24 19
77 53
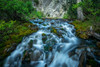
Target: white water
38 55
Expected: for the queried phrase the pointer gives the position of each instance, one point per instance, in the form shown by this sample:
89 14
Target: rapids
48 47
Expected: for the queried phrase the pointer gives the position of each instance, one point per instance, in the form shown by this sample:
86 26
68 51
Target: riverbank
11 34
89 30
83 28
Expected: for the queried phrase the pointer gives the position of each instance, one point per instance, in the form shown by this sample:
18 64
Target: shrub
15 9
36 1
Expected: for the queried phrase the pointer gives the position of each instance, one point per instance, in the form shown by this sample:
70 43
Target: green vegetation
54 30
91 8
83 27
71 13
48 47
91 11
14 15
37 14
17 10
11 33
43 34
36 1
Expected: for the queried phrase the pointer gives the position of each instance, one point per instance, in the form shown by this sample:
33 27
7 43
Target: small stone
30 43
43 34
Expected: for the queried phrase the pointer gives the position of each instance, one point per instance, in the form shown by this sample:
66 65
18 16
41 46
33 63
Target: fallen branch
94 34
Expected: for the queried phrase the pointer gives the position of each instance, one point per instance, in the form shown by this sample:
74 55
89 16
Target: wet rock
82 59
30 44
72 53
44 39
35 56
32 55
65 40
59 33
44 24
40 22
64 65
43 34
52 23
53 30
51 42
26 58
34 41
48 47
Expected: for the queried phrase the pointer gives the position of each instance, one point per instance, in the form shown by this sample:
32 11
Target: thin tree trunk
80 15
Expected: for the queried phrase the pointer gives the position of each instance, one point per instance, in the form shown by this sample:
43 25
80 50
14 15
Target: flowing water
48 47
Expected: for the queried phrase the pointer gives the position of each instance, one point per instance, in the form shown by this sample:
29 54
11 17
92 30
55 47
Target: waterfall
50 46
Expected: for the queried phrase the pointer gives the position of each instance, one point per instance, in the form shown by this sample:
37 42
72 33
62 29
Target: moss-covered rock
40 22
53 30
44 24
48 47
12 33
82 28
30 44
43 34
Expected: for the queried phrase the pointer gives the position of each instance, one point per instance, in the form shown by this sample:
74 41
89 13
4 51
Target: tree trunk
80 15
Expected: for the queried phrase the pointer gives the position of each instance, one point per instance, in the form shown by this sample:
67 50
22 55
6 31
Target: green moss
12 33
54 30
82 28
66 16
37 14
43 34
44 25
48 48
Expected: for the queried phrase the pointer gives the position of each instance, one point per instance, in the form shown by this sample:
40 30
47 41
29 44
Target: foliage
36 1
5 26
11 33
66 16
82 28
90 8
15 9
71 13
36 14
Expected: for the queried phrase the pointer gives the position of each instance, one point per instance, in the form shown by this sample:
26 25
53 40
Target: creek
53 45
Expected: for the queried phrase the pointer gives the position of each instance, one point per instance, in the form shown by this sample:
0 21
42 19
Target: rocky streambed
55 44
